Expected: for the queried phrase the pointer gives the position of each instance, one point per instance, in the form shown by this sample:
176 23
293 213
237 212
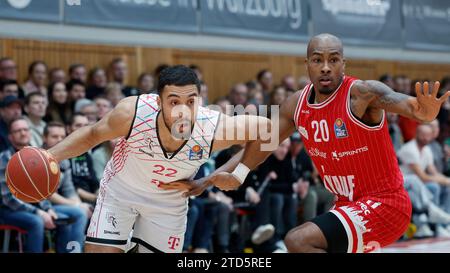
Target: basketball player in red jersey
342 121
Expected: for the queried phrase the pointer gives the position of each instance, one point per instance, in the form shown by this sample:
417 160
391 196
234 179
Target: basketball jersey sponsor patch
340 130
196 153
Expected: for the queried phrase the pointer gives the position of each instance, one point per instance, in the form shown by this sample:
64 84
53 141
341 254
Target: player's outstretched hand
427 104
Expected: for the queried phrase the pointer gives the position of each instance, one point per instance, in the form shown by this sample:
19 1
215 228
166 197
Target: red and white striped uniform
358 164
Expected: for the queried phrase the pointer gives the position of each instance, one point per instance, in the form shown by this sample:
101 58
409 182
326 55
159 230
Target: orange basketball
32 174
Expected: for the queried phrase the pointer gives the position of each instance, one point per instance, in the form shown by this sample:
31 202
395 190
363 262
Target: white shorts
155 229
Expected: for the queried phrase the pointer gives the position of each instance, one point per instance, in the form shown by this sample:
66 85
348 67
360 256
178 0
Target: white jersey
129 191
140 163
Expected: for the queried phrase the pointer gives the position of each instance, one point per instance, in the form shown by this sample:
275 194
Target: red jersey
353 159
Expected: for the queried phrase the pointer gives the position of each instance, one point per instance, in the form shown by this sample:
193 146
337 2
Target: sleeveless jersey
139 163
353 159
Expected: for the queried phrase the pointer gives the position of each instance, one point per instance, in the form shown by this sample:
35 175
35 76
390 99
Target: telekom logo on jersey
173 242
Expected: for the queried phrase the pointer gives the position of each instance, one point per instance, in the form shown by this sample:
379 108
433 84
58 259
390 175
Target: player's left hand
427 104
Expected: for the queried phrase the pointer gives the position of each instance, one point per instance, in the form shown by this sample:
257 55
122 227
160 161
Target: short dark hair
178 75
70 84
10 124
74 115
4 83
72 67
53 124
31 95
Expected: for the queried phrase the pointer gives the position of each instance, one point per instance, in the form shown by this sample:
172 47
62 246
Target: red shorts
374 222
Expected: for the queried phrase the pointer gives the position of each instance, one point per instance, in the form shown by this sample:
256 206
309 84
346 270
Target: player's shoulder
127 101
134 100
126 107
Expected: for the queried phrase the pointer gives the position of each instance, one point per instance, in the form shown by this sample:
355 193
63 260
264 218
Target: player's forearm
255 129
254 155
386 98
257 151
75 144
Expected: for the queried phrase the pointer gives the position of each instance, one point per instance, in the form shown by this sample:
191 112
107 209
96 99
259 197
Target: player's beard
330 90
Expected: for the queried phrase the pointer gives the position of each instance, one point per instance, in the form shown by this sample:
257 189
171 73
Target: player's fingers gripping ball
32 174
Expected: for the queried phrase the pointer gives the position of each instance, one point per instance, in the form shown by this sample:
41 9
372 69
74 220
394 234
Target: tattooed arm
370 97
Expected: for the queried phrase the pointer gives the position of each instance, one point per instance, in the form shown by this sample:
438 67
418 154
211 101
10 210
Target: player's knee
296 241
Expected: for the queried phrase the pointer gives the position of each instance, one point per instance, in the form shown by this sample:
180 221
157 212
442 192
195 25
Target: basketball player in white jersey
163 138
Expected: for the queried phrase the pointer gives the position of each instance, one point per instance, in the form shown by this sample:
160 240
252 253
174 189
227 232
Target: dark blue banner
35 10
359 22
272 19
159 15
427 24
